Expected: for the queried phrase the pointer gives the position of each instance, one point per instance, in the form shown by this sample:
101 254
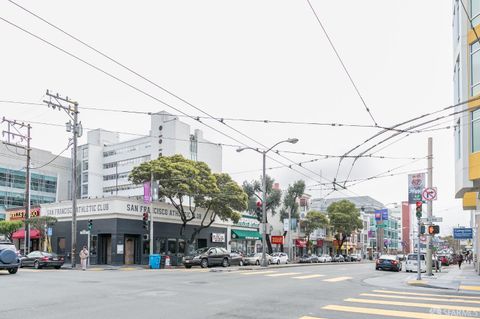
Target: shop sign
319 242
277 240
20 214
218 237
300 243
248 222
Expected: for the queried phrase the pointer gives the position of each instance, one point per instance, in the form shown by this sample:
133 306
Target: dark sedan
41 259
206 257
387 262
236 259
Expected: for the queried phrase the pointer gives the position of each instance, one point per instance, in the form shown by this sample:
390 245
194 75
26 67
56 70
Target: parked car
8 257
325 258
411 265
309 259
338 258
207 257
355 257
236 259
388 262
39 259
255 259
279 258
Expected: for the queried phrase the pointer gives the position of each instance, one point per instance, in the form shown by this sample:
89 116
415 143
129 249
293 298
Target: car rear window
414 257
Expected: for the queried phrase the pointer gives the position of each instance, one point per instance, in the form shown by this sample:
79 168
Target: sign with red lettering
278 240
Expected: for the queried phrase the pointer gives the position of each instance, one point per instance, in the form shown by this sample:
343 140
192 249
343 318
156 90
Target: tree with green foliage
344 219
189 185
8 227
314 220
254 192
290 202
41 223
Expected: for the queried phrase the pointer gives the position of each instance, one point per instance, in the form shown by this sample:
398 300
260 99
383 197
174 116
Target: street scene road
310 292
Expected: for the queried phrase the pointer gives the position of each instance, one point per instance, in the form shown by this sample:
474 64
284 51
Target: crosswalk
289 275
380 303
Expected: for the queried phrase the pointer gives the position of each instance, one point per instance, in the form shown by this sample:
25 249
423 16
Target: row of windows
131 161
115 176
17 179
124 187
128 149
10 199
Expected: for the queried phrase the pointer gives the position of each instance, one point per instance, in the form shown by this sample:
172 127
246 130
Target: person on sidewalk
83 257
470 257
460 261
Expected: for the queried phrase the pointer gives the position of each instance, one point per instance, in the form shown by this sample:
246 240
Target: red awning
300 243
20 234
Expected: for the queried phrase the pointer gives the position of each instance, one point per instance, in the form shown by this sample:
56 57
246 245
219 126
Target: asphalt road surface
324 291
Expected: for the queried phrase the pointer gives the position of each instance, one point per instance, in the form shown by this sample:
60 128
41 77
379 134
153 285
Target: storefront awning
245 234
20 234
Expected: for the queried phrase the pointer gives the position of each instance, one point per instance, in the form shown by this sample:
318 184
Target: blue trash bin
154 261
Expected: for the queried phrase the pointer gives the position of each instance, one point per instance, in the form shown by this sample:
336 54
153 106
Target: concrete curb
258 268
427 284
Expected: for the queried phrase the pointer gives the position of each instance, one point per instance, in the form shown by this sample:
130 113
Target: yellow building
466 80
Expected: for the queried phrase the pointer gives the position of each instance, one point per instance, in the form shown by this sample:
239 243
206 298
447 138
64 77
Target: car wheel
188 266
240 263
12 271
204 263
57 267
225 262
278 262
257 262
36 265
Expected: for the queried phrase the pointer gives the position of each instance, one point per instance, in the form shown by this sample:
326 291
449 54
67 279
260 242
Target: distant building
105 162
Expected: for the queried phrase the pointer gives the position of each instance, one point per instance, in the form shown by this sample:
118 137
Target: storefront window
172 246
181 246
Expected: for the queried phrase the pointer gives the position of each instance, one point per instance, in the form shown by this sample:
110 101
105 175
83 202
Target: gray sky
249 59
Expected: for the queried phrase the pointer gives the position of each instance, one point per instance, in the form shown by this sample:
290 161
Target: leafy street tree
189 185
254 192
314 220
7 228
41 223
344 220
290 204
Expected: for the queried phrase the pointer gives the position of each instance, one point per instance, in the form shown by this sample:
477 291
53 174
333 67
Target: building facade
105 162
466 87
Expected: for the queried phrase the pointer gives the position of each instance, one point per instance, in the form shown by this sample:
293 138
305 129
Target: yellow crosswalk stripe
308 276
259 272
283 274
473 288
412 304
425 294
390 313
421 298
337 279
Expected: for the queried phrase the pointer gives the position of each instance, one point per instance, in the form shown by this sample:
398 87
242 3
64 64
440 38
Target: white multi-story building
105 162
466 85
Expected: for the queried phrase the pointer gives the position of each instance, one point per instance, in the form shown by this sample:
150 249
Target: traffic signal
258 209
145 220
90 224
419 209
422 229
433 229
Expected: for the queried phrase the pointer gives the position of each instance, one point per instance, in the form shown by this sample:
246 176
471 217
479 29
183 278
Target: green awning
245 234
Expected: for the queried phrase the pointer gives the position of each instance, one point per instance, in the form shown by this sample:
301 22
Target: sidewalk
461 280
105 267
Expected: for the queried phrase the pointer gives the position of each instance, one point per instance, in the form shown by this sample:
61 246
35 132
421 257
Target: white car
325 258
255 259
411 264
279 258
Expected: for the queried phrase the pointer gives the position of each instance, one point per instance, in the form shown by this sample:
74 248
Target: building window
456 81
85 166
475 68
476 131
85 152
85 178
85 189
193 147
475 11
458 145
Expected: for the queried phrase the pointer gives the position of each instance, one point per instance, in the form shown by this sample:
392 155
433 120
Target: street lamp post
264 262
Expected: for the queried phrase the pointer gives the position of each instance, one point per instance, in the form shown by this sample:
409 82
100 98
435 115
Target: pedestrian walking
460 261
470 257
83 257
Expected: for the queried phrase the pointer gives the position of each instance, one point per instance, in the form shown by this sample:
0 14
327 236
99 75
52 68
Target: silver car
255 259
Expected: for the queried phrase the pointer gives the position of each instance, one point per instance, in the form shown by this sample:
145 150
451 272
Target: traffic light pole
419 269
429 208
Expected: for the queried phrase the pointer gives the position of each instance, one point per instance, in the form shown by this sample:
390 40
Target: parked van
412 265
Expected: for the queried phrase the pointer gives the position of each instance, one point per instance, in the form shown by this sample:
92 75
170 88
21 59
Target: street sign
84 232
462 233
49 231
429 193
381 214
381 226
285 224
432 219
416 183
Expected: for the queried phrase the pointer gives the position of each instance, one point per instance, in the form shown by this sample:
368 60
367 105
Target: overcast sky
254 60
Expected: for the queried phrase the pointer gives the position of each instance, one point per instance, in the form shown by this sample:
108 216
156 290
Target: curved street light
264 262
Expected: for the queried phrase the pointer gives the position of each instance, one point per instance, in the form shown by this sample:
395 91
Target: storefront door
105 249
130 250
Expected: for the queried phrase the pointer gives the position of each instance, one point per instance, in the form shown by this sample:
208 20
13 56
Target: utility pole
14 131
151 214
429 207
71 108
